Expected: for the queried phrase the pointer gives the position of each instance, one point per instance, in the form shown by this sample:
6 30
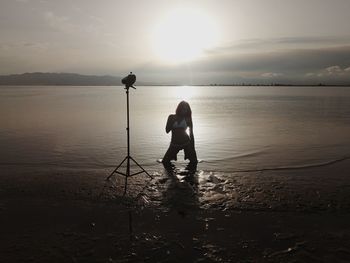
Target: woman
180 140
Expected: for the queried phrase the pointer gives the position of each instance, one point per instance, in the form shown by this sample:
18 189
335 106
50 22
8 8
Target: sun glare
183 92
183 35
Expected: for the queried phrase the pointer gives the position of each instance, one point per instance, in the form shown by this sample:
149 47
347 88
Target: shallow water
236 128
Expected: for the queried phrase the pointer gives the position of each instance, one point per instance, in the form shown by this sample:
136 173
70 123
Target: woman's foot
192 165
166 163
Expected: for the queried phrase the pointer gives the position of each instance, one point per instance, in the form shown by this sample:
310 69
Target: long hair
184 110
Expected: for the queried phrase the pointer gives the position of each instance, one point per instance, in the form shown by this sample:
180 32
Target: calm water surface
236 128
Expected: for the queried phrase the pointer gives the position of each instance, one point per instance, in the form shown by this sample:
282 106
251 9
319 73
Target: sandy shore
274 216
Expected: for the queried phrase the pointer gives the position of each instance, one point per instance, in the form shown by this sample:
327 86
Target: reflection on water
181 189
236 128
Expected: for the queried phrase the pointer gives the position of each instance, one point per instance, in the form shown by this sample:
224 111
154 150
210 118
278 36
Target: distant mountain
68 79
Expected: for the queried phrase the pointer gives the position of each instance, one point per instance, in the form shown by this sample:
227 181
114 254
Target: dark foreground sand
274 216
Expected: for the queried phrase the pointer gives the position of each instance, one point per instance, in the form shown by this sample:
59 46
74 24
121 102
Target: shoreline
318 187
269 216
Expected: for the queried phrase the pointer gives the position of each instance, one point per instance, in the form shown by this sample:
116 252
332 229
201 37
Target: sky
180 42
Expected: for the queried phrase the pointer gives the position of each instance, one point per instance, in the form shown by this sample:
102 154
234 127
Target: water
236 128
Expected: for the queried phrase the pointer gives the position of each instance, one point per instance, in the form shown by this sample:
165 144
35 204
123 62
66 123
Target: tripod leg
125 185
141 167
127 173
116 168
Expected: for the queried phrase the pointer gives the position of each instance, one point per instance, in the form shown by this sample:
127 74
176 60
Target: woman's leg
171 154
190 153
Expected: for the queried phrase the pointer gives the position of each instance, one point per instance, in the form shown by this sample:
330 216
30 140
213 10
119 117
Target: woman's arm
169 124
191 130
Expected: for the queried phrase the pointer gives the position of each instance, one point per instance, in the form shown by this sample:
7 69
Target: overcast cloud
262 41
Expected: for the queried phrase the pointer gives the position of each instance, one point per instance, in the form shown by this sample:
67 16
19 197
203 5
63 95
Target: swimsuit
182 124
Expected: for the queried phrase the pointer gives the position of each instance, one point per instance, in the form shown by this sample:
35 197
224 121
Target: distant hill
68 79
72 79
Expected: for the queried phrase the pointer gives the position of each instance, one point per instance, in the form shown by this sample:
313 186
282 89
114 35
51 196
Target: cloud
331 75
283 61
23 46
271 75
334 70
60 23
337 70
282 43
92 28
285 66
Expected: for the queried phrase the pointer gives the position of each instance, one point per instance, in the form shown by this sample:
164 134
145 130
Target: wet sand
270 216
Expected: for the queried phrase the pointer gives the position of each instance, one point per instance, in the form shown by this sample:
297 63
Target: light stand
128 81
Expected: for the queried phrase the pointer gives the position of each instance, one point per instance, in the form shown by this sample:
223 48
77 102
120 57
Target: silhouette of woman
180 140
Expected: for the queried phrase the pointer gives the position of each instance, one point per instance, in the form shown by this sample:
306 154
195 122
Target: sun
183 35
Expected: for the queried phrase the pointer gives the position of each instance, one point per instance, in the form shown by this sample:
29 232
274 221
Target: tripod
128 158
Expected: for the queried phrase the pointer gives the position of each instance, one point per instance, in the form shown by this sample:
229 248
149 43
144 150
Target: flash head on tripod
129 80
